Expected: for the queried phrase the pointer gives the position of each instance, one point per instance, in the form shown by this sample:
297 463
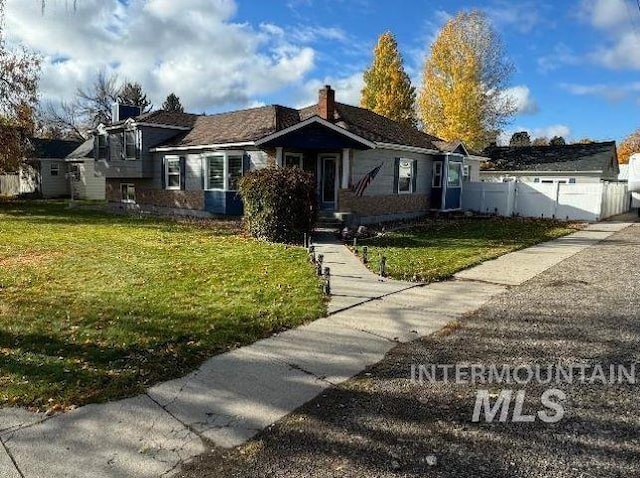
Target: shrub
279 204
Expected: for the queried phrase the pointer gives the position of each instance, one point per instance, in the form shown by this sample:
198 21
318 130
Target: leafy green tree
172 103
132 94
521 138
387 87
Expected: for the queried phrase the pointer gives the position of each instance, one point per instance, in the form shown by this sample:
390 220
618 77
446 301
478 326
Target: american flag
359 188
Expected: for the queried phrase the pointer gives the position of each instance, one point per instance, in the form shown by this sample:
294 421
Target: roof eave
196 147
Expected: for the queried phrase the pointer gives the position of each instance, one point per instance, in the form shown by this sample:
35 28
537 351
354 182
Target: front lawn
442 247
96 306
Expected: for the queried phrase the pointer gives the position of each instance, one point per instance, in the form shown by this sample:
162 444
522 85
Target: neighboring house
55 169
190 164
571 163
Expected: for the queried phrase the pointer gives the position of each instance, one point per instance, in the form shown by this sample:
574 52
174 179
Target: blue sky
577 61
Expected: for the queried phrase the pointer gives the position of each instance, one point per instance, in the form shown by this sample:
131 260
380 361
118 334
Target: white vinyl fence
582 201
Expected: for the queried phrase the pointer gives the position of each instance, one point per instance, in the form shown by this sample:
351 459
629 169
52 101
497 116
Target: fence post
383 266
319 263
365 255
327 281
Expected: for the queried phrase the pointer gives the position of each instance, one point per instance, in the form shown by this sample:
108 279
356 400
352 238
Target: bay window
224 170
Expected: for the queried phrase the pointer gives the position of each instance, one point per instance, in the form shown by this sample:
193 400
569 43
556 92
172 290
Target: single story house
190 164
571 163
59 167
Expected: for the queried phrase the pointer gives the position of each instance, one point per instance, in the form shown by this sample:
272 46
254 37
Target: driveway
584 310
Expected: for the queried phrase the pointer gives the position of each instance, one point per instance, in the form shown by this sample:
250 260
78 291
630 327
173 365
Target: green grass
96 307
440 248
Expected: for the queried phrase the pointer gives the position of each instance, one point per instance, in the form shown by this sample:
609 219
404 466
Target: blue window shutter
183 172
414 175
163 173
396 175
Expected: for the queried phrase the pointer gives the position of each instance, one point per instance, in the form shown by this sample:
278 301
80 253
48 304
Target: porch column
345 168
279 156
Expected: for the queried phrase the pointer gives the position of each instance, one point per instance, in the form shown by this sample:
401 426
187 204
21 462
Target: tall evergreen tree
387 87
463 82
133 94
172 103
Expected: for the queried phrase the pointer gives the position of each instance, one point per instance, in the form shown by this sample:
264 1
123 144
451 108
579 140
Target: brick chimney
327 103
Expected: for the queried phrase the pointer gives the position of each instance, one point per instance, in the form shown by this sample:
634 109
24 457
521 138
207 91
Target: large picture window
224 170
173 173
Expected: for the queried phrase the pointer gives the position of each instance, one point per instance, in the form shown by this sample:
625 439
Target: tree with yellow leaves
387 87
630 145
462 93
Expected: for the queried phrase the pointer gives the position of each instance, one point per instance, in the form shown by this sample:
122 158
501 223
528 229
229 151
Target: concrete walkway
234 395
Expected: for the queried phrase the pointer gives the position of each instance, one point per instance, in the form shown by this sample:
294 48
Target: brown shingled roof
168 118
255 123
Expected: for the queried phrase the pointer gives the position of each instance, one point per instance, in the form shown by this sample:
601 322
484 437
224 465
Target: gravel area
585 310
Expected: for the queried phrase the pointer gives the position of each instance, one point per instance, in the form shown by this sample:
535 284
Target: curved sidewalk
234 395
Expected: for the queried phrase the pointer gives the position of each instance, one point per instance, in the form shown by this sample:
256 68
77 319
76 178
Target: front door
328 181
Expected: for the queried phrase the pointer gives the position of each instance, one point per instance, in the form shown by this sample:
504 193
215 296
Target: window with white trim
466 172
224 170
173 173
128 192
55 169
454 175
405 176
436 179
130 147
293 160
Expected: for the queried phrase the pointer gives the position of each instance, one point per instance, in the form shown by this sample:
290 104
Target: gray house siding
54 186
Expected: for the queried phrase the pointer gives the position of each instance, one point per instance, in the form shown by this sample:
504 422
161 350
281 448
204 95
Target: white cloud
520 97
621 30
612 93
347 90
560 55
191 47
523 16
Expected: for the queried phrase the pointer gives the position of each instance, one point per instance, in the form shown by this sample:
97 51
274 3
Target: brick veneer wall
382 205
158 197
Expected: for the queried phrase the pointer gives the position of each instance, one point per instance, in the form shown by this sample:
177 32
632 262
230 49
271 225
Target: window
103 149
454 175
128 192
215 176
405 173
235 171
436 180
536 180
224 170
293 160
572 180
466 172
173 173
55 169
130 145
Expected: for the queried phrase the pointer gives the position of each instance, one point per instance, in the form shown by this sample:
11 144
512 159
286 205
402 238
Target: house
190 164
59 167
571 163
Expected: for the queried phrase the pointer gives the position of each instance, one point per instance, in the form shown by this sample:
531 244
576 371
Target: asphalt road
584 311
